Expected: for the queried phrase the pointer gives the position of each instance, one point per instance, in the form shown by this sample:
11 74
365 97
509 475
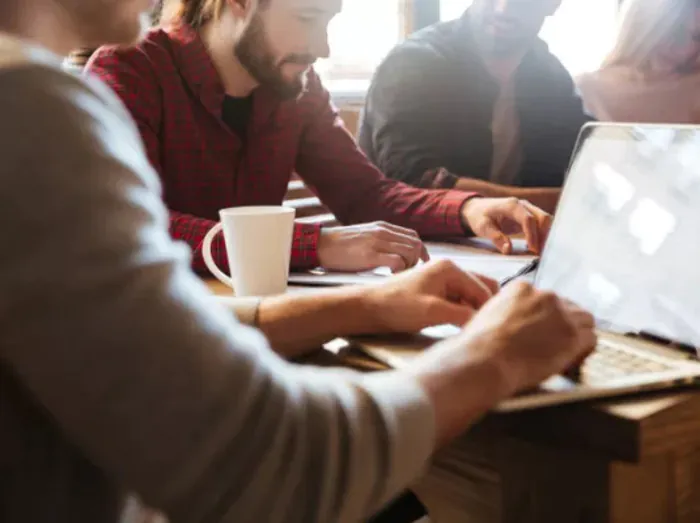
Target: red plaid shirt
174 93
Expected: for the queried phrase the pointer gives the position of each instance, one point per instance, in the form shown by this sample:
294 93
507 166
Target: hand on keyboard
531 334
517 339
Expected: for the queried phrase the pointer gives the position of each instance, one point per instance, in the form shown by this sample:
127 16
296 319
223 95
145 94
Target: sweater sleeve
104 323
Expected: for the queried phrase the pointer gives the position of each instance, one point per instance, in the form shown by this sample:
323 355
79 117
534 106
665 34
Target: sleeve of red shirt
354 189
129 74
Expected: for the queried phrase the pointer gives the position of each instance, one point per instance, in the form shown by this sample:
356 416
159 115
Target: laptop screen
625 243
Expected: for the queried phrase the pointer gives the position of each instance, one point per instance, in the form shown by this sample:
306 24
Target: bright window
359 37
569 31
366 30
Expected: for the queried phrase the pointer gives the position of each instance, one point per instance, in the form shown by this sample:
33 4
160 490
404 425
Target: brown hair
194 13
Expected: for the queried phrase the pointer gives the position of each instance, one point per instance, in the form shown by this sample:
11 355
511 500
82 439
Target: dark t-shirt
235 112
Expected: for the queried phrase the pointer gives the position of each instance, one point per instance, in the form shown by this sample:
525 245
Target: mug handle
209 260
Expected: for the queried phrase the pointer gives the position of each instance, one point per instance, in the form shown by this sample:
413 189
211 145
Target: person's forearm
297 324
545 198
448 374
484 188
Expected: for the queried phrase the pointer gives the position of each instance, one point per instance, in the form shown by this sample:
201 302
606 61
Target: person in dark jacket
478 104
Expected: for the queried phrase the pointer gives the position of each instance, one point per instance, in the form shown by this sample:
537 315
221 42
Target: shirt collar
197 69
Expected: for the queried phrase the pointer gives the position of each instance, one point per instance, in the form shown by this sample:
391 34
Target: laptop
625 245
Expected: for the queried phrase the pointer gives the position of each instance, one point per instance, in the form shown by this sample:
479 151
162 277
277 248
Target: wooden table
631 461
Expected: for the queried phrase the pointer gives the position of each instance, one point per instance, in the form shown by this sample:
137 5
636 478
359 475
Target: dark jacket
429 110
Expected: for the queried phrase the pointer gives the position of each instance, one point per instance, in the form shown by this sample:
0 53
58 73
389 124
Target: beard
254 52
520 31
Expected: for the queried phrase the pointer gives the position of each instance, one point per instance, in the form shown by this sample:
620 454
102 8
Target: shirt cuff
219 253
453 207
305 246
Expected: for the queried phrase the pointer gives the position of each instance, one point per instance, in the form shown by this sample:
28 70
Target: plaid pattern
174 93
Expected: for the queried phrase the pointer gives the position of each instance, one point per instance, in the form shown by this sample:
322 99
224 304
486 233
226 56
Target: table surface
630 429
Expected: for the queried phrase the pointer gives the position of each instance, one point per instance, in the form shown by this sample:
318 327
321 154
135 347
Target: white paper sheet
492 265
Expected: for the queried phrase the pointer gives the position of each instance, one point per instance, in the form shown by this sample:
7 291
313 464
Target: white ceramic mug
259 243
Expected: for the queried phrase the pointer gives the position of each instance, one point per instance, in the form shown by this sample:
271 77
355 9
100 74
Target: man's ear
240 8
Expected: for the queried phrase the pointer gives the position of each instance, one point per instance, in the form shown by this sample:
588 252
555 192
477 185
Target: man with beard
476 104
229 107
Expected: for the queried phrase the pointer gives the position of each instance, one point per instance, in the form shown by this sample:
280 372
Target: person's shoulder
36 88
38 100
426 53
314 98
152 54
439 38
56 123
433 44
29 72
16 54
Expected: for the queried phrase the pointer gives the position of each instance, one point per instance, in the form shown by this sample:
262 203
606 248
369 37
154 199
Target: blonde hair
646 25
194 13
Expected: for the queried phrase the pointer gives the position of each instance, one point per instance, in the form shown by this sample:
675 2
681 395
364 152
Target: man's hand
496 218
368 246
433 294
517 340
530 335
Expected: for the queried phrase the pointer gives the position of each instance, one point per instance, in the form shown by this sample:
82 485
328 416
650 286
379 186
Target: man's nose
321 47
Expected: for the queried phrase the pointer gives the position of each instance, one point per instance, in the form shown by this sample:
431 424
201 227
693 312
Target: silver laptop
625 245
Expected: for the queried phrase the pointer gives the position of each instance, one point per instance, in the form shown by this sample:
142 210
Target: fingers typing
544 223
470 288
521 214
440 311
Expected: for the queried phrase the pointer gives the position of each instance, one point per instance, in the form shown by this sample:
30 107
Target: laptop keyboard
609 362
